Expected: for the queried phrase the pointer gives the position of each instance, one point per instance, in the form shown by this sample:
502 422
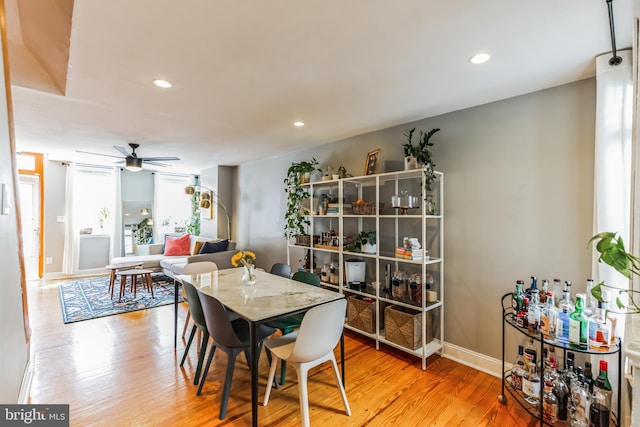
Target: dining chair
279 269
194 268
232 337
288 324
199 323
308 347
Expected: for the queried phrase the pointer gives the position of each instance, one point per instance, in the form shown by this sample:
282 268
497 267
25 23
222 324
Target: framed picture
373 158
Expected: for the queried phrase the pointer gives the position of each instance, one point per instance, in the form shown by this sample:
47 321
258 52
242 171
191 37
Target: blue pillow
212 247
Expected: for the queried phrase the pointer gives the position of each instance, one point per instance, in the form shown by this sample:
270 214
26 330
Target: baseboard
25 387
481 362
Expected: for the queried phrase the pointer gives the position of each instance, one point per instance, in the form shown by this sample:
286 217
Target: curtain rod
615 59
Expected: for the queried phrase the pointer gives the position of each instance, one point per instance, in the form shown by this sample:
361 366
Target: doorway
30 216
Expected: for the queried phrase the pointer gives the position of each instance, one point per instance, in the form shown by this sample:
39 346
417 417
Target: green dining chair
288 324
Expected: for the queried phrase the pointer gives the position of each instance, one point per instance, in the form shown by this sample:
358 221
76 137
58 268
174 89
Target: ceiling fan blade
162 159
123 151
154 163
97 154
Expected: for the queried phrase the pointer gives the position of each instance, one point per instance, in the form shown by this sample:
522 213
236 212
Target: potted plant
612 252
103 214
367 241
419 156
295 220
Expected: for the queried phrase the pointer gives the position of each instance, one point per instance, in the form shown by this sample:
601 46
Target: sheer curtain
612 198
117 240
71 232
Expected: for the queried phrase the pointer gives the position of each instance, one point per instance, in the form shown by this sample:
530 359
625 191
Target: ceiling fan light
133 164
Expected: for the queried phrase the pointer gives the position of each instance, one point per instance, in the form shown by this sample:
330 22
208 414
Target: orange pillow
197 246
174 246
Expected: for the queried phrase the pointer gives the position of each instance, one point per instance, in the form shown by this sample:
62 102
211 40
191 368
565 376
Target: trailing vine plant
422 153
295 218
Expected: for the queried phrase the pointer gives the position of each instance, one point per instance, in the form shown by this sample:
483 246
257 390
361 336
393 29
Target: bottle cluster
570 394
582 322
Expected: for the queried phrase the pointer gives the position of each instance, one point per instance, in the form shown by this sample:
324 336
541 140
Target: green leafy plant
193 225
295 217
422 153
103 214
612 252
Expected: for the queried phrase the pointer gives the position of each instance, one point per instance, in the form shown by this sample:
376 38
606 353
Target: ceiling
243 72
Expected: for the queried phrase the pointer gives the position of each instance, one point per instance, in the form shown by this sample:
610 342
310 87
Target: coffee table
135 274
121 266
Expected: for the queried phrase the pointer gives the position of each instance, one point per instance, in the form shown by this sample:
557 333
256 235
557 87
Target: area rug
89 298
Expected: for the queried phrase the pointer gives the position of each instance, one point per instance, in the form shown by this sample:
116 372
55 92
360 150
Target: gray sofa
153 258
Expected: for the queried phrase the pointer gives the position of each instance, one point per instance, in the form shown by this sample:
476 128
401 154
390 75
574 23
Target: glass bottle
548 318
578 334
534 285
562 325
533 316
590 303
549 404
551 359
602 383
561 391
599 329
543 291
600 412
557 290
579 404
530 355
588 375
531 386
566 301
523 315
518 369
517 299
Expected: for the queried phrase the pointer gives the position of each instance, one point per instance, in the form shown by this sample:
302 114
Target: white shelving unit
391 226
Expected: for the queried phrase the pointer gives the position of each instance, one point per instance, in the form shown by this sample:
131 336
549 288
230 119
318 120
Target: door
30 215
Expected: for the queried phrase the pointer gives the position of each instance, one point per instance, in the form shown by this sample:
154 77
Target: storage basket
361 314
366 208
403 326
305 239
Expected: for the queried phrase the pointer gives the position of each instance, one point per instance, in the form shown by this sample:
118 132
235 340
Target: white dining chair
308 347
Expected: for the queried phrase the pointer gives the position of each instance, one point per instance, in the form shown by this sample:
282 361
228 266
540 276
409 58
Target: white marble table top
271 296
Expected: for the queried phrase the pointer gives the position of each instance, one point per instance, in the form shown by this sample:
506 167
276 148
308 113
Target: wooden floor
123 371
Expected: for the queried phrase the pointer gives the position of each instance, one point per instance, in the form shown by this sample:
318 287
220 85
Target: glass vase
249 277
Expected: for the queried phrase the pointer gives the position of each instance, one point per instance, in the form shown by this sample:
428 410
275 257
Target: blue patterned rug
89 298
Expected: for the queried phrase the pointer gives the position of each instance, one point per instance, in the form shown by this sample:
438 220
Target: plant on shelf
295 216
421 154
612 252
366 242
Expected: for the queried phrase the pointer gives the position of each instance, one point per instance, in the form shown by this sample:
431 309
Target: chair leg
203 350
283 371
186 349
231 363
206 370
340 385
302 370
186 323
272 374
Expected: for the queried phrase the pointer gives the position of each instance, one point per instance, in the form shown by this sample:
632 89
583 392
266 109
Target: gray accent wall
518 199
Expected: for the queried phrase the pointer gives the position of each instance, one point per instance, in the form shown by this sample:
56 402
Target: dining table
270 298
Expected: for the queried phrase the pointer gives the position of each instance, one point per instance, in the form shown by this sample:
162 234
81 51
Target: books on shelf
411 254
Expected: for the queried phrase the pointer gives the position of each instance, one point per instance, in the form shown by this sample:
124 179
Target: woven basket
366 208
404 326
305 239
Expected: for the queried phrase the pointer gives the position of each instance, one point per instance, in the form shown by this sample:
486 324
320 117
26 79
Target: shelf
392 257
432 347
360 331
326 248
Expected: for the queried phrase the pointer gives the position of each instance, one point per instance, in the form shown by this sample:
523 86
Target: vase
410 163
368 248
249 277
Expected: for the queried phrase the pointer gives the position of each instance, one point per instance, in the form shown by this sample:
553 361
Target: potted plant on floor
295 221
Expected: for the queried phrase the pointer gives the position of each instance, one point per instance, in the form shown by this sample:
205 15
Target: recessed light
162 83
298 124
480 58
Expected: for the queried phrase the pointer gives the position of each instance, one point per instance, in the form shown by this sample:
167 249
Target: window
172 212
94 200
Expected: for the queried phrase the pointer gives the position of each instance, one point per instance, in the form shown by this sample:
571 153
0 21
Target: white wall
14 350
518 199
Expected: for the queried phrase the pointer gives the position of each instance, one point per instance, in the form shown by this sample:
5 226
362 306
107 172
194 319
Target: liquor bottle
611 317
569 374
567 288
531 386
600 412
602 383
562 325
550 372
530 355
549 404
551 359
561 391
533 315
517 299
534 285
580 400
523 316
518 370
599 329
543 291
549 318
578 333
588 375
566 301
590 303
557 289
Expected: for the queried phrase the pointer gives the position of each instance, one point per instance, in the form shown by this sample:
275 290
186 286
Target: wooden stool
115 267
145 279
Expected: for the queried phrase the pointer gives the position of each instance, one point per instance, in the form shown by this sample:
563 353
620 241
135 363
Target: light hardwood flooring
123 371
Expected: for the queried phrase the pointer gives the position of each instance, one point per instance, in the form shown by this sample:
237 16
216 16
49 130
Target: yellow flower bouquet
245 259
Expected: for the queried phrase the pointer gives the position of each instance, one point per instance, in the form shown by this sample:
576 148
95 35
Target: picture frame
373 160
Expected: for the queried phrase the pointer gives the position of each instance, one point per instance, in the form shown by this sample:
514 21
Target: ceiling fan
131 160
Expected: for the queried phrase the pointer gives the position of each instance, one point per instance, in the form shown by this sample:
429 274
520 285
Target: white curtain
612 198
156 218
117 240
71 242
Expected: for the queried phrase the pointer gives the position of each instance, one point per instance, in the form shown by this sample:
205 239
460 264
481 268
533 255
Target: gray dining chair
194 268
232 337
199 323
279 269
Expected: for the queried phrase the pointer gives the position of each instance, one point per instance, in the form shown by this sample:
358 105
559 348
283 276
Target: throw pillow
197 246
174 246
211 247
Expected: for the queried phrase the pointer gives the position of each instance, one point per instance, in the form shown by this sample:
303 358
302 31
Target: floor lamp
208 197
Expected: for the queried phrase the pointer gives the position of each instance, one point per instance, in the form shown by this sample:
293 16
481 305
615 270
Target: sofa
153 258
